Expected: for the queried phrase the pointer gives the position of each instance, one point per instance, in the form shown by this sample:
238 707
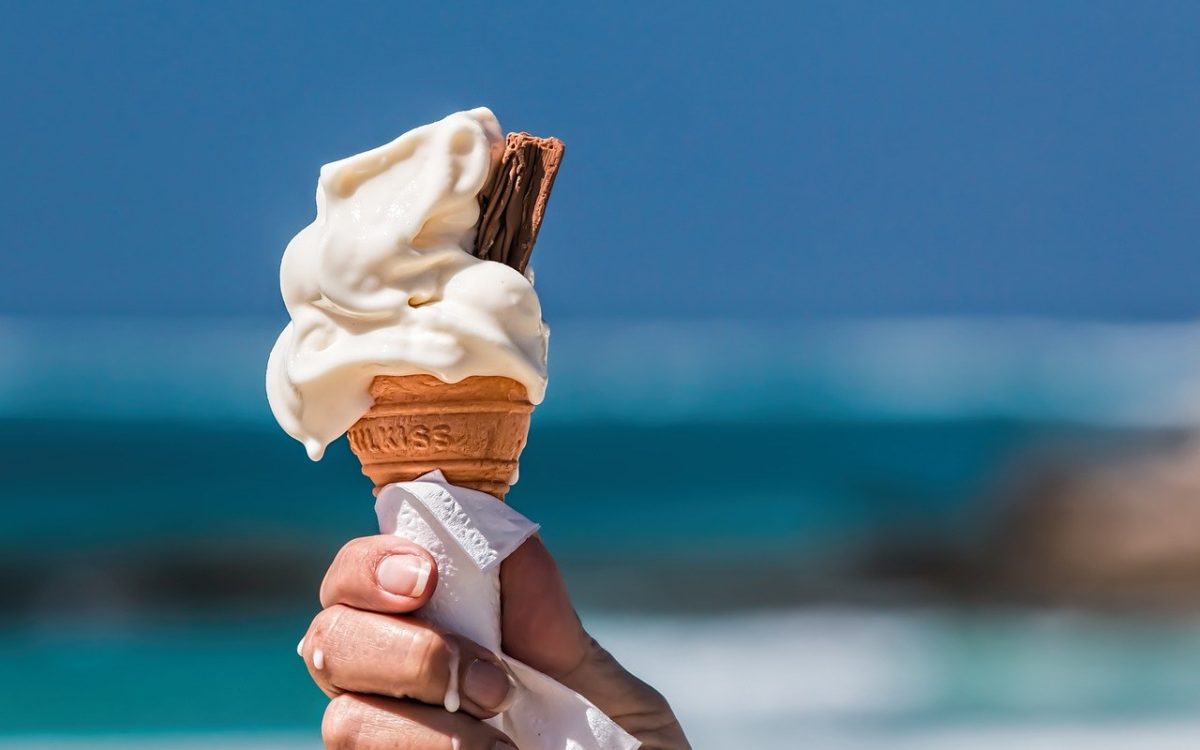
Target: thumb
540 628
538 621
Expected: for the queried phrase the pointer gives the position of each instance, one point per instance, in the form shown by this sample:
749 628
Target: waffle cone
473 431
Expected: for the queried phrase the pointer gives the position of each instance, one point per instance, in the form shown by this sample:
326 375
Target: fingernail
486 685
300 648
406 575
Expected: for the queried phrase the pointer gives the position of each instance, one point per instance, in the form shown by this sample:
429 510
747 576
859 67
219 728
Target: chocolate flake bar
513 203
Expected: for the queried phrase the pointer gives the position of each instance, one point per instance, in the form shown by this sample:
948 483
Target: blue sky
730 161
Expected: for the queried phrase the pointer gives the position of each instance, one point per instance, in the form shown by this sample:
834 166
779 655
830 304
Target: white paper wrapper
470 533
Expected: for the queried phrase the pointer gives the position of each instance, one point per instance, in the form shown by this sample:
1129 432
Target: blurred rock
1121 529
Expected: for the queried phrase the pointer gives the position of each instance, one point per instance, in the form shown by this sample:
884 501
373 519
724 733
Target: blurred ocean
739 508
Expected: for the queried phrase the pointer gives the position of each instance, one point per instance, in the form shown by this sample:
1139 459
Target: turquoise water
838 677
590 483
716 495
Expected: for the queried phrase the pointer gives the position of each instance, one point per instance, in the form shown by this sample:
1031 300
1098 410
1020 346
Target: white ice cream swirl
383 283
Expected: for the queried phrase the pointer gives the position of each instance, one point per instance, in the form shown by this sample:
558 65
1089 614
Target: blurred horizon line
875 368
816 317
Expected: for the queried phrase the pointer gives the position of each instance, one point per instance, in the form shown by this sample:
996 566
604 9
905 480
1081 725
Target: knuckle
426 656
348 548
342 724
343 562
323 633
357 553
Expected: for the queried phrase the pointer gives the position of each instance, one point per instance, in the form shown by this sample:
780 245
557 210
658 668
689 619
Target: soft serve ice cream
383 282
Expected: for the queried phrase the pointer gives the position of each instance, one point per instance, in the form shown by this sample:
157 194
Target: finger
380 573
372 723
351 651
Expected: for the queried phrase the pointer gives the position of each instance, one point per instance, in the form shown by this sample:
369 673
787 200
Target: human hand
388 673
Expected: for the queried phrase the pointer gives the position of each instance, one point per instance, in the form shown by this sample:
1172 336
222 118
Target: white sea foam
870 680
917 679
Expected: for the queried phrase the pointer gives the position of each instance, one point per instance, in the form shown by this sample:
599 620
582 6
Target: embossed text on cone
473 431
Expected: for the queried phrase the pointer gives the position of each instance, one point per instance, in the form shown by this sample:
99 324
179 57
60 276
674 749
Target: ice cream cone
473 431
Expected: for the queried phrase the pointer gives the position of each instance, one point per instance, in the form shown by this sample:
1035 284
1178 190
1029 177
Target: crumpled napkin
470 533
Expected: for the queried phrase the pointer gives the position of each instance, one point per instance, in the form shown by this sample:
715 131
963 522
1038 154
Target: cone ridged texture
473 431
